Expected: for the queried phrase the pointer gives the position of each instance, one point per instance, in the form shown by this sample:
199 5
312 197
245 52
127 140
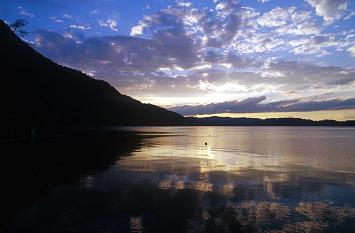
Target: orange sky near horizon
339 115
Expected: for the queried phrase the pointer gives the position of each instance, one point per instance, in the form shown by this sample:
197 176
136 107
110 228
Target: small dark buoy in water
205 143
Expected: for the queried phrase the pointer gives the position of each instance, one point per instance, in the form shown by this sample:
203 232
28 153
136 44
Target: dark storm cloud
255 105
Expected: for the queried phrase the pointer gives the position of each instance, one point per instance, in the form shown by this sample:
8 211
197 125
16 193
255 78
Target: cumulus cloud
127 61
213 28
320 44
274 18
172 64
137 30
351 50
273 30
330 10
183 54
289 21
110 23
257 104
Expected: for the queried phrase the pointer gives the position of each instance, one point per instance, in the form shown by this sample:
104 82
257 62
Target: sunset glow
189 53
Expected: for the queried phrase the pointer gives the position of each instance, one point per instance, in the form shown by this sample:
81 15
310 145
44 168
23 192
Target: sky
261 58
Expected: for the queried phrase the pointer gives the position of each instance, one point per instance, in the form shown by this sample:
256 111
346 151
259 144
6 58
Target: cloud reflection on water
246 179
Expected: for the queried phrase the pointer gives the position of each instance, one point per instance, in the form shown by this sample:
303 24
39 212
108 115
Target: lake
197 179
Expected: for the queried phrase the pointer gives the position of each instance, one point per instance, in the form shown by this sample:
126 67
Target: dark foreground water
188 179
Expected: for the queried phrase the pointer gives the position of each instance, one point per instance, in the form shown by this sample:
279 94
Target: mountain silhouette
243 121
40 93
36 93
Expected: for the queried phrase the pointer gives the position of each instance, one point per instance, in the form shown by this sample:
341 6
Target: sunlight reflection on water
282 177
233 148
246 179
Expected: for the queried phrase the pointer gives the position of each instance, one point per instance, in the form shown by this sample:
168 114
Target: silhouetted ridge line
40 93
228 121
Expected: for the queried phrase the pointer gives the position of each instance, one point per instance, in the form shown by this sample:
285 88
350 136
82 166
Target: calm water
245 179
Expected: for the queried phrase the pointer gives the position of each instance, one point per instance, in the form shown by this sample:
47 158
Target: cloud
212 28
263 1
62 18
257 104
127 59
320 44
173 63
66 16
186 55
80 27
303 74
349 16
184 4
289 21
259 43
351 50
110 23
56 19
25 13
274 18
330 10
137 30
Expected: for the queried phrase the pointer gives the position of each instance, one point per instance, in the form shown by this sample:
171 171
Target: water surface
210 179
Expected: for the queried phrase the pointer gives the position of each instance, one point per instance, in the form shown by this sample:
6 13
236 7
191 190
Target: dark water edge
29 170
90 182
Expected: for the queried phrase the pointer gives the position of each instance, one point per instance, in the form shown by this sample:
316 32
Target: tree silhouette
18 26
